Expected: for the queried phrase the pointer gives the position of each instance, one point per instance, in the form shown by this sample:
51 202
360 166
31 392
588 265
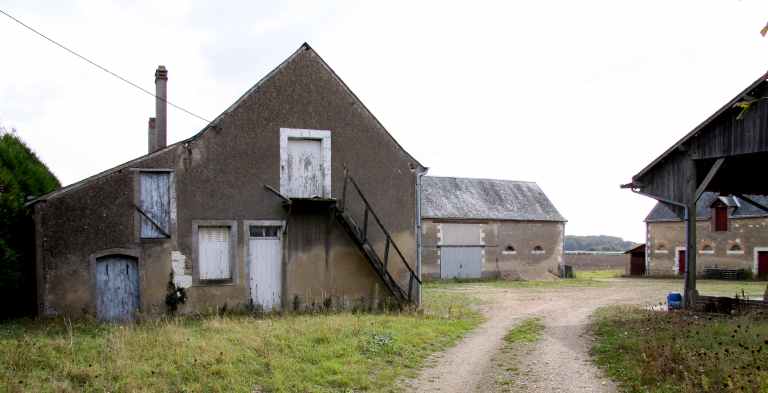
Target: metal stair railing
380 263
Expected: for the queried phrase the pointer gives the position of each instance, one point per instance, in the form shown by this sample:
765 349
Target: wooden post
690 293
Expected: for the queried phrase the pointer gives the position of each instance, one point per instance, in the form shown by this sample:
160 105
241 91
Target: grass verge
505 373
294 353
650 351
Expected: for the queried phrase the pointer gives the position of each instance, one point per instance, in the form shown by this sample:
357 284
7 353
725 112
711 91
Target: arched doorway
117 288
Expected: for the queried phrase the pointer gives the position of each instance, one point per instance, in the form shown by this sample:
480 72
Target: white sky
575 95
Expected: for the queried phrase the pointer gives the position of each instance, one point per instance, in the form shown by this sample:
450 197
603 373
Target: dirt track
559 362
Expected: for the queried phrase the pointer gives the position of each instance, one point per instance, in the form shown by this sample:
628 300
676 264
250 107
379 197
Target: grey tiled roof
662 212
463 198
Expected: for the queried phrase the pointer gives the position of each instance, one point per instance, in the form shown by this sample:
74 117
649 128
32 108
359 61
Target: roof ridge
483 178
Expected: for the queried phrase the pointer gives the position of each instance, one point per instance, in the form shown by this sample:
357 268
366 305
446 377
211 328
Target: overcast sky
575 95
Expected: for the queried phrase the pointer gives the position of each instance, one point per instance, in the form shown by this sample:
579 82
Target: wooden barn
636 266
722 155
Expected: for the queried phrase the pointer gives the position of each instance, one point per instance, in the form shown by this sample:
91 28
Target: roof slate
662 212
464 198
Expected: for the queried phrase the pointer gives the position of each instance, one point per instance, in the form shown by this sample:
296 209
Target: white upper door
265 258
304 168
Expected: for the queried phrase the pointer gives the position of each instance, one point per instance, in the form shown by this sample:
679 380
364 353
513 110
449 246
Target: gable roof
465 198
214 124
759 81
742 209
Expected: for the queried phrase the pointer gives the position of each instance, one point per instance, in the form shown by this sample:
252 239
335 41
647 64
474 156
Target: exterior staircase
360 235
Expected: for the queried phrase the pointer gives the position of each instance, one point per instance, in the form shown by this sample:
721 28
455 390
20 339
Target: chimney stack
158 125
152 135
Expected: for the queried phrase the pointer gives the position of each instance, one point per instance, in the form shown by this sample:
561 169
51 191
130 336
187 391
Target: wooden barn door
117 288
681 261
265 260
461 252
637 265
762 264
305 168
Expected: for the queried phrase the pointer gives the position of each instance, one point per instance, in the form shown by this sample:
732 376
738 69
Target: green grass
528 331
585 279
649 351
293 353
598 274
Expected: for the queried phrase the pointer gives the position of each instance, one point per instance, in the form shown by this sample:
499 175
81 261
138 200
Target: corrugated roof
662 212
464 198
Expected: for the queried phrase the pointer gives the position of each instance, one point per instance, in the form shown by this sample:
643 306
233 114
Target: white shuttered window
214 252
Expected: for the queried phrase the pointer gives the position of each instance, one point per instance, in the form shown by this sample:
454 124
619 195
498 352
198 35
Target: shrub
22 175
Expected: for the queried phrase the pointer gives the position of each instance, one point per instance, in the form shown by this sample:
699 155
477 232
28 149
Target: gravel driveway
559 362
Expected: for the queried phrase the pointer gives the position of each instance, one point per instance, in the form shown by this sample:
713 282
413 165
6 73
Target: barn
732 235
722 155
485 228
295 197
636 260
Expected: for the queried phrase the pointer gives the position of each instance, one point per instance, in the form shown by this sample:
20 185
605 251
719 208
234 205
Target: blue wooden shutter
155 204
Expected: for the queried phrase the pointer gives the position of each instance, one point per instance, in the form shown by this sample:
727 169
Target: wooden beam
708 179
278 193
689 292
752 202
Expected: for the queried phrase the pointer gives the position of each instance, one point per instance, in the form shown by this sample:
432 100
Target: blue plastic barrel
674 301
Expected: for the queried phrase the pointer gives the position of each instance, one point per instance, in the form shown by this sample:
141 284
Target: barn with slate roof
475 228
731 235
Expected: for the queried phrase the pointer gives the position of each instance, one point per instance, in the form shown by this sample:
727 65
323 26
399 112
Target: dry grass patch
236 353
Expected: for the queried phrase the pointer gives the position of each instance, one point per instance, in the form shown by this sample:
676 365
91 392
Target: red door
762 264
681 261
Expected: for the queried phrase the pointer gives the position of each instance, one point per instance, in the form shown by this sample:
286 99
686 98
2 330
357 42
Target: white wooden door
305 168
265 259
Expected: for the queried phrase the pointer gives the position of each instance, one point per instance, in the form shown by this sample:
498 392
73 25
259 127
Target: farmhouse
473 228
294 197
732 234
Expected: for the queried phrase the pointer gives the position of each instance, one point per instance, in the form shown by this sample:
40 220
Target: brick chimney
152 135
158 125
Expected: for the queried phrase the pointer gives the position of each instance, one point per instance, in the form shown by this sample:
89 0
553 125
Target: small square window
269 232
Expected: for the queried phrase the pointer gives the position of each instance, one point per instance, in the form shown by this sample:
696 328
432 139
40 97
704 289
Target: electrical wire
93 63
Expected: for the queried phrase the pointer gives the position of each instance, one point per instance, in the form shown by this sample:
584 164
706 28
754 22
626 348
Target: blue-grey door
117 288
461 262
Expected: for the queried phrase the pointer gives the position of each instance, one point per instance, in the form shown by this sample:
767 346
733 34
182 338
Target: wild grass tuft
528 331
680 351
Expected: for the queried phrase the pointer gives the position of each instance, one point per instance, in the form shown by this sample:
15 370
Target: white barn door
461 251
265 261
305 170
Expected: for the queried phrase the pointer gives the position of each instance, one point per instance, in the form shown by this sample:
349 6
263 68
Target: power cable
93 63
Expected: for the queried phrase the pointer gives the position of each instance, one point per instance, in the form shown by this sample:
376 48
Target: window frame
233 252
720 218
324 136
172 224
